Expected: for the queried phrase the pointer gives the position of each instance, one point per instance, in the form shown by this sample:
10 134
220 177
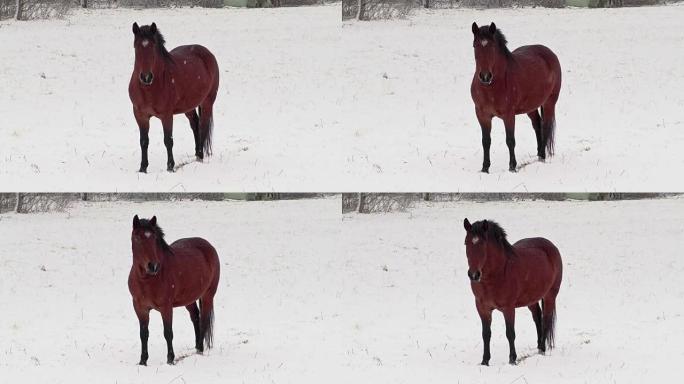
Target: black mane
146 225
494 232
498 37
158 38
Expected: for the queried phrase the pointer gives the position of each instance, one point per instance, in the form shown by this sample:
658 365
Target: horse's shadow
185 355
530 161
185 162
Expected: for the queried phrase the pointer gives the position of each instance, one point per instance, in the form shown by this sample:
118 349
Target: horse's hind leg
195 318
537 317
194 125
167 123
537 125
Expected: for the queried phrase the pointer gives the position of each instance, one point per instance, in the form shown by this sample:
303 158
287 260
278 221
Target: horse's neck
497 260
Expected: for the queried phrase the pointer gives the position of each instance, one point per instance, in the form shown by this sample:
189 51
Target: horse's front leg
144 320
167 319
167 123
486 126
509 123
486 319
509 317
144 127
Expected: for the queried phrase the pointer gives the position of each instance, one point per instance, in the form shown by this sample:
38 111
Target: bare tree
17 12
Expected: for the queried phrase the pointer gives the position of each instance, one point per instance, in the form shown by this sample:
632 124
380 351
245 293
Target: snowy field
410 316
68 318
67 122
411 125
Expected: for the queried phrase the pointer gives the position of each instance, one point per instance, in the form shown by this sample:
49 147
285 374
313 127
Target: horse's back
188 247
181 53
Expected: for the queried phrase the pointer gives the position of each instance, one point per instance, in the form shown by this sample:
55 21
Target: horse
506 84
164 84
166 276
505 277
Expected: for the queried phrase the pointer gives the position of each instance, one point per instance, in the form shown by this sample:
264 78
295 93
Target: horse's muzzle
474 276
485 77
152 268
146 78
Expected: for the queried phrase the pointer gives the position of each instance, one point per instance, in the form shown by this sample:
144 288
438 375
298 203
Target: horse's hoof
142 170
512 361
485 363
513 169
170 361
485 170
170 168
142 363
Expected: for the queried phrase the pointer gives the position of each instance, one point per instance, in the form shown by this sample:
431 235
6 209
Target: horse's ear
485 225
466 225
153 28
153 221
136 221
136 29
492 28
475 28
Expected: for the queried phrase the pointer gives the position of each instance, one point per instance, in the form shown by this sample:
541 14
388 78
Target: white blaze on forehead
484 42
145 43
476 240
148 234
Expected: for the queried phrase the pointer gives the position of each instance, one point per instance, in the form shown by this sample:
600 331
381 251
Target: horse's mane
145 224
495 232
146 33
498 37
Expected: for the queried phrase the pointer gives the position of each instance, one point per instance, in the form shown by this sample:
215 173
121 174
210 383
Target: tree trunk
362 203
359 12
427 3
84 3
19 204
18 15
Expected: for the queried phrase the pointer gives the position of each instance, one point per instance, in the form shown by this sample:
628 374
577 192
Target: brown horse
166 276
166 83
508 83
505 277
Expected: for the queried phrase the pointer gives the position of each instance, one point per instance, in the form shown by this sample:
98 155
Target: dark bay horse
505 277
166 276
166 83
508 83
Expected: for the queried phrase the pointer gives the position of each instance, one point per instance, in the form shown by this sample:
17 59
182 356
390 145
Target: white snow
308 295
73 322
67 123
411 124
620 307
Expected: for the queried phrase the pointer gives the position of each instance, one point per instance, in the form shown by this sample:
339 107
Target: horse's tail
206 132
549 132
209 330
550 329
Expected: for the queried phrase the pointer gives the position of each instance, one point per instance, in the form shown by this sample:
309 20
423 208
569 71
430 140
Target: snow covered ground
410 120
410 316
308 295
67 123
67 315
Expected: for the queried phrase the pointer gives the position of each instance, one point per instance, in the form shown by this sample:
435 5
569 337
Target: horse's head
149 50
490 48
148 244
476 247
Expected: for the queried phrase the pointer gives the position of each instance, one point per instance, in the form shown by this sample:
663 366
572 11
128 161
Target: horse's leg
194 317
144 320
486 126
167 319
509 123
194 125
537 125
486 319
144 127
167 123
509 316
537 317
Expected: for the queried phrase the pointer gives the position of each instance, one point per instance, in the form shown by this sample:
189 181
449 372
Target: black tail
549 133
550 330
206 132
208 330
